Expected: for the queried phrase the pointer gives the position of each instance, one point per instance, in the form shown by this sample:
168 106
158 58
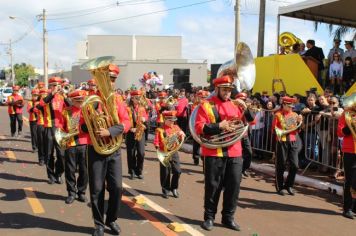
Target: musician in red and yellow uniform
53 106
349 149
107 168
168 182
92 87
43 92
182 107
148 108
40 85
15 105
75 152
200 96
135 146
288 145
31 105
223 166
160 107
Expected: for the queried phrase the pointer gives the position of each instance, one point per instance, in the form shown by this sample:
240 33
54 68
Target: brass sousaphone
242 67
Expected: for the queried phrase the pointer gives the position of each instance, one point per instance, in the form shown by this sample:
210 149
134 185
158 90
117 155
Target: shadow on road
19 194
23 220
20 178
3 159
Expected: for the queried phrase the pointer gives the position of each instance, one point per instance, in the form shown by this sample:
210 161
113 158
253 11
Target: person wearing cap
350 51
135 148
32 117
15 105
222 166
53 105
75 152
169 176
107 169
40 85
336 49
43 92
349 159
182 106
288 145
148 108
160 107
92 87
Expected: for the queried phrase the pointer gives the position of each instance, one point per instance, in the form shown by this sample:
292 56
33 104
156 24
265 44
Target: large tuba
287 40
107 117
291 124
350 114
172 144
242 68
62 137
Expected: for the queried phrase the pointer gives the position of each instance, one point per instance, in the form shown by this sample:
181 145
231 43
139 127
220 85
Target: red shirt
281 119
12 108
53 106
158 108
30 109
348 143
138 112
162 133
226 111
182 107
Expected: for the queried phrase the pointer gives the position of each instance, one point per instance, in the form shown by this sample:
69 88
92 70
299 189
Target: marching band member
53 106
148 110
31 105
160 107
288 145
169 183
92 87
349 149
15 105
223 166
135 145
40 126
75 152
200 96
107 169
182 105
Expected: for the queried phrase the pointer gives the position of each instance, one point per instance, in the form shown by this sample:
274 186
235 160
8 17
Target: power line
134 16
82 10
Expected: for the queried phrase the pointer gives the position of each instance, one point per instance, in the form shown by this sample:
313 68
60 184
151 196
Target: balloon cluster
151 79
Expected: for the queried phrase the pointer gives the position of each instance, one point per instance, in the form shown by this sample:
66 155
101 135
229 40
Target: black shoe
281 192
196 161
41 163
70 199
99 231
82 198
12 134
131 176
140 176
348 214
208 224
115 228
59 180
231 224
175 193
164 193
244 173
50 181
19 134
290 191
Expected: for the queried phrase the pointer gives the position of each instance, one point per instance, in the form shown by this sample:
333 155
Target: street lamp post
11 63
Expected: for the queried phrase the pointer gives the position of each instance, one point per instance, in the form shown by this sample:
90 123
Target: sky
207 29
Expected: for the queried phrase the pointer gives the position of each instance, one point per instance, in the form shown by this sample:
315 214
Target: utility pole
261 28
12 64
45 49
237 22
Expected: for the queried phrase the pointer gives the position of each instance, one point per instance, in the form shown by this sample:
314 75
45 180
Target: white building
136 55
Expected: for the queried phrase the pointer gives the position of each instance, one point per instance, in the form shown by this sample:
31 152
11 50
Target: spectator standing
302 49
336 49
318 54
350 51
348 76
335 74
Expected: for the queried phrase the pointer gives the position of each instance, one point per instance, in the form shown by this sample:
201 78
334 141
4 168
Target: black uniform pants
182 123
221 173
167 182
246 152
135 153
196 147
40 143
13 119
100 169
76 156
55 168
286 151
33 129
350 179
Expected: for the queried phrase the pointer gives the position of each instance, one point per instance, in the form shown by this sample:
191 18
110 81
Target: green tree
338 32
22 72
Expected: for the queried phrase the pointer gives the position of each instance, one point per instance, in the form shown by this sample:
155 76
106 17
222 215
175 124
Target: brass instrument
172 143
350 113
62 137
242 68
108 116
140 130
171 102
291 125
68 88
287 40
143 101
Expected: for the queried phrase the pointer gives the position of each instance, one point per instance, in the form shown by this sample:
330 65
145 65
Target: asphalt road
29 206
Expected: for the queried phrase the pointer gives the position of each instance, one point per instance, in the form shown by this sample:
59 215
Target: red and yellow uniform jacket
210 113
53 106
349 142
135 114
31 105
14 108
39 111
158 107
73 120
182 107
162 133
281 121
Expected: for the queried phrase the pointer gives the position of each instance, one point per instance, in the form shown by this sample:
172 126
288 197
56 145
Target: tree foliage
22 73
338 32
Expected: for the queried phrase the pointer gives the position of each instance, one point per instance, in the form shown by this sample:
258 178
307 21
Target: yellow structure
291 69
351 90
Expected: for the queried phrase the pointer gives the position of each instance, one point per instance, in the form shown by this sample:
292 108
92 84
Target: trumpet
67 88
